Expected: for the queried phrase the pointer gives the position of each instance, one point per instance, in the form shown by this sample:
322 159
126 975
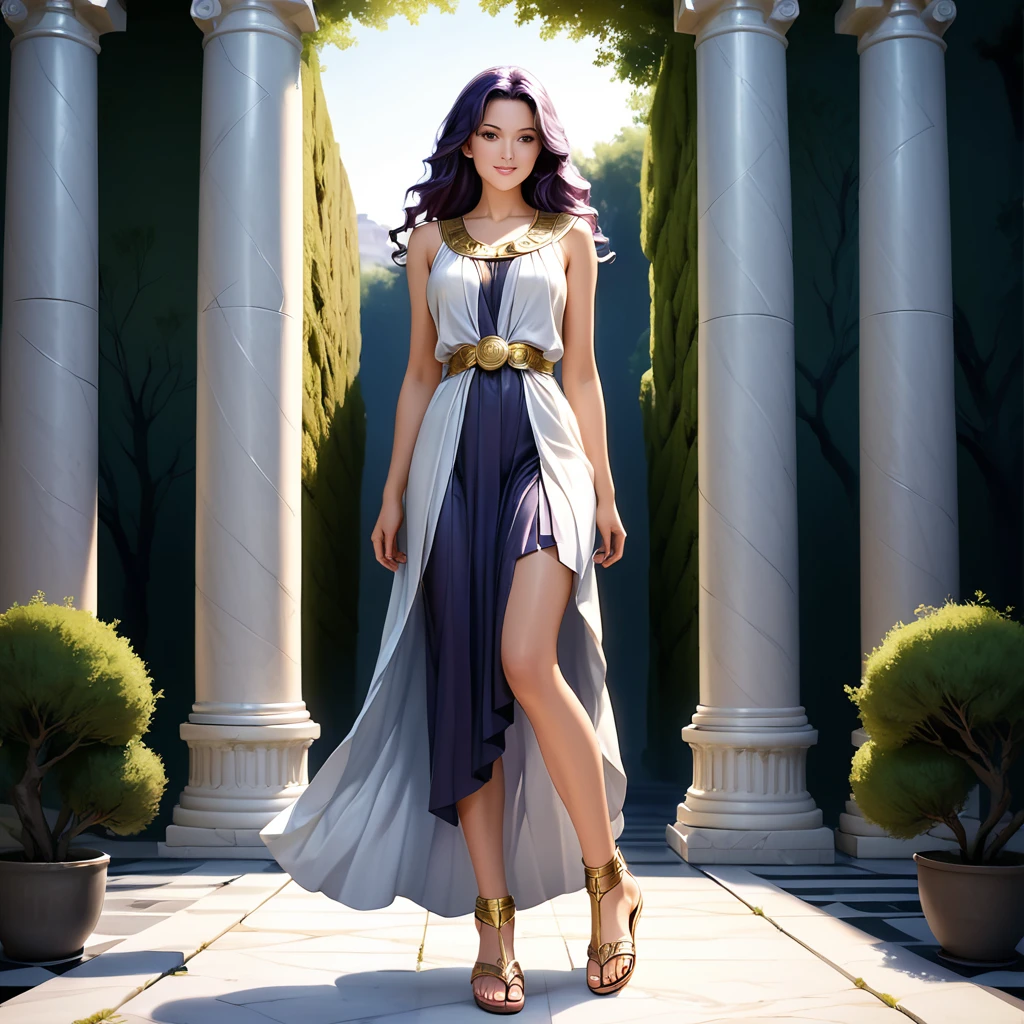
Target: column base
240 778
887 847
751 846
191 843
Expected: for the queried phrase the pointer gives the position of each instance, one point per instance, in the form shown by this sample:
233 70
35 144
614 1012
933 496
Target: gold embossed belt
492 352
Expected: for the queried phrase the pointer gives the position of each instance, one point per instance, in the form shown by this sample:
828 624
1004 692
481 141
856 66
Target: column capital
288 18
875 21
708 18
81 20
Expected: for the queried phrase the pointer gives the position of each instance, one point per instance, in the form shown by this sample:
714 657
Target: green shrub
943 700
908 789
74 699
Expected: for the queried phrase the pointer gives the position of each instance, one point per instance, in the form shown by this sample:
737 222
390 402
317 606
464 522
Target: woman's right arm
422 375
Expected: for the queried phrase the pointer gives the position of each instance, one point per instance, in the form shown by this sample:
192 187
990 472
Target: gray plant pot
976 911
49 910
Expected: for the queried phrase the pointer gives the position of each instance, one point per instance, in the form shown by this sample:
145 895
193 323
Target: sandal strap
597 878
512 973
608 950
497 912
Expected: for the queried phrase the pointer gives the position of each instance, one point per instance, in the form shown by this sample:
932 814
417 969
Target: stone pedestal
748 802
249 730
909 545
49 349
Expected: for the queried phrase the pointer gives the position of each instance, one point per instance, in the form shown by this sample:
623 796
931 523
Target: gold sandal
496 913
598 884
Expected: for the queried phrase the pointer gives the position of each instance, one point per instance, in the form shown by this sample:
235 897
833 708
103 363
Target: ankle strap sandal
601 881
496 913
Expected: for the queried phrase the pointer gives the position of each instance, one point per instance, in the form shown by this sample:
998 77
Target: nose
506 150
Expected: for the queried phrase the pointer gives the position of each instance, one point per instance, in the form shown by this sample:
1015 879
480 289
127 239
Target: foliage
333 415
375 276
631 36
74 691
950 683
668 400
336 17
121 786
908 789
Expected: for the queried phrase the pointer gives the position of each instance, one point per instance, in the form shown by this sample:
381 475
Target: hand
613 534
385 532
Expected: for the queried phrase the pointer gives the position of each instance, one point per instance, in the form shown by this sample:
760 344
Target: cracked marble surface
705 957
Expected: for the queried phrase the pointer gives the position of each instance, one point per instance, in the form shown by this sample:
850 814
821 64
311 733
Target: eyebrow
487 125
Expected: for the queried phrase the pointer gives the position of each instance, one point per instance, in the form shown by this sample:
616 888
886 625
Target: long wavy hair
452 187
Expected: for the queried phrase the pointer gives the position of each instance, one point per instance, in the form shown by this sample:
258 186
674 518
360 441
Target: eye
488 135
526 138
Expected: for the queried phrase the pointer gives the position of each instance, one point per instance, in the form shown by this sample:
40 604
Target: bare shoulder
424 242
578 244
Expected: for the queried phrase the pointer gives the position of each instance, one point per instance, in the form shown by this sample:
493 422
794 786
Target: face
506 145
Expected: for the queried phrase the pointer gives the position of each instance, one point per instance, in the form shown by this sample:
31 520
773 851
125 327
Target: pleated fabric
494 512
491 516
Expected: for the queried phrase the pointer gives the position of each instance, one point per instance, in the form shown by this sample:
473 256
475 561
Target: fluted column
909 547
249 730
49 348
749 801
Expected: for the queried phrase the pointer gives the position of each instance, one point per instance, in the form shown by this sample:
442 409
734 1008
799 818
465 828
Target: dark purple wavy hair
453 187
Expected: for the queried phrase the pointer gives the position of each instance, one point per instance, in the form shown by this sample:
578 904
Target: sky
388 94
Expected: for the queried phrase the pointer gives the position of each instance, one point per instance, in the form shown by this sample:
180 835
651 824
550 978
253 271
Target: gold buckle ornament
491 352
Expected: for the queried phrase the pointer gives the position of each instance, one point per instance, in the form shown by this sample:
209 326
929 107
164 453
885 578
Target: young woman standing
486 747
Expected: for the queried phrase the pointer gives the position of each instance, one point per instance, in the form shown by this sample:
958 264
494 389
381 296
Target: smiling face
506 145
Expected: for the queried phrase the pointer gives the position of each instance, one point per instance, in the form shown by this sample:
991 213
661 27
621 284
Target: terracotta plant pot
976 911
49 910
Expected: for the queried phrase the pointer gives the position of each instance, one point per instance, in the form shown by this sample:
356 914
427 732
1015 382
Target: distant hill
375 247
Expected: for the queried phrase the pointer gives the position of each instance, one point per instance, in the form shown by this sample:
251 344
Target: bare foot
488 988
616 906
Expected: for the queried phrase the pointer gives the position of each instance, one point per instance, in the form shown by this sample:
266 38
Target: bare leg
482 814
540 591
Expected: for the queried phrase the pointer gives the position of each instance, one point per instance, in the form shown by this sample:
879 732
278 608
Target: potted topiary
942 699
74 701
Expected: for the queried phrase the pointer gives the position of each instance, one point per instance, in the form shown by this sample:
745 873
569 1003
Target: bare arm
582 385
422 375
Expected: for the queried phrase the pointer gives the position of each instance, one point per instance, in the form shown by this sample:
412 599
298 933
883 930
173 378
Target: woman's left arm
582 385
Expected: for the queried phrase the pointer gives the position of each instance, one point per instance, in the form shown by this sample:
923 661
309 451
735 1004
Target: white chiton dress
362 832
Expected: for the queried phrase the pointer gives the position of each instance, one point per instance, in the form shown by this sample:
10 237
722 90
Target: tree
336 17
639 42
832 208
631 36
147 391
77 700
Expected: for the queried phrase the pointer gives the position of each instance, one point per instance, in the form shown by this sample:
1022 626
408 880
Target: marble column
748 802
909 547
49 348
249 730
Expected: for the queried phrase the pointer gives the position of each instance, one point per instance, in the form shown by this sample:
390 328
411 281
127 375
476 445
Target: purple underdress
494 511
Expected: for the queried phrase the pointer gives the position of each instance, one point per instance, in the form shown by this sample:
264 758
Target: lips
504 170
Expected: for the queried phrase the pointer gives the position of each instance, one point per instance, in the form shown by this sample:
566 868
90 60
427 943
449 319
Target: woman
499 481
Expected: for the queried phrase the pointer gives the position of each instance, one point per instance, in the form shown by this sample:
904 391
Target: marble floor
274 952
880 898
238 942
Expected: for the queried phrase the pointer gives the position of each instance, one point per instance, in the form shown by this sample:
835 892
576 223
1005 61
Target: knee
529 670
